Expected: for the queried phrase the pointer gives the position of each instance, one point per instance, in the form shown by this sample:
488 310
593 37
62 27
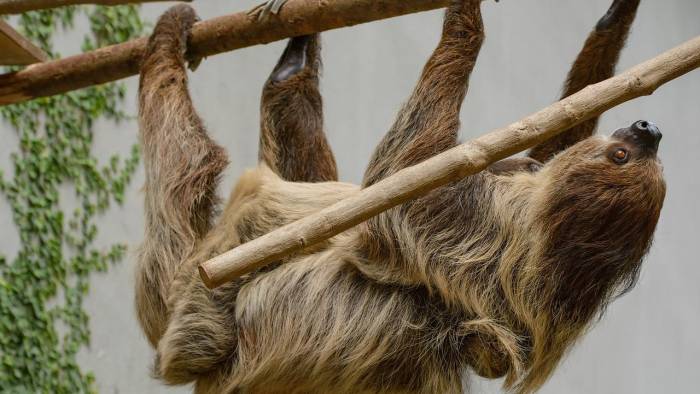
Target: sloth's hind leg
292 140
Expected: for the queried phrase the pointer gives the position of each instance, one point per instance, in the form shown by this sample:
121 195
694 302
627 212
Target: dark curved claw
301 52
264 10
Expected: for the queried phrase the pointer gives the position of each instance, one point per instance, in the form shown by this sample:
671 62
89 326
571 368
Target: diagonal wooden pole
20 6
210 37
459 162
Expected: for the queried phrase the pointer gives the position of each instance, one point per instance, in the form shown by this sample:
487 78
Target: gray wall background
648 341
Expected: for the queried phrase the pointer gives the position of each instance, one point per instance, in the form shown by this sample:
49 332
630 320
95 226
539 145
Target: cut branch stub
456 163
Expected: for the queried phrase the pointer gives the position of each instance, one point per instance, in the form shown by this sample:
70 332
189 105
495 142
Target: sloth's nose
647 134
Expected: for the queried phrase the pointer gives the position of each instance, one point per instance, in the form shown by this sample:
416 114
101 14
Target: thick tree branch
217 35
20 6
456 163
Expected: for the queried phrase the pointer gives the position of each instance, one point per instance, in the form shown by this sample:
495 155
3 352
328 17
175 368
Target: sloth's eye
620 156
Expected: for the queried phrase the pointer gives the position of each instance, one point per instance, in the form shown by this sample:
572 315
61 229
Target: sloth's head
602 202
594 216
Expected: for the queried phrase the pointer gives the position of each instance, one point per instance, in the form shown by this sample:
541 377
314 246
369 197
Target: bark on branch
217 35
20 6
463 160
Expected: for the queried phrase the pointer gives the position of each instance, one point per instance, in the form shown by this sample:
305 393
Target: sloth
497 274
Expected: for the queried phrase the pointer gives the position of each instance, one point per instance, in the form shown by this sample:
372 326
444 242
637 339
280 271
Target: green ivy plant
42 321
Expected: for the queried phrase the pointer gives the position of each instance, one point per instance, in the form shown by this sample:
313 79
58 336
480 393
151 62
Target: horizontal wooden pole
456 163
217 35
20 6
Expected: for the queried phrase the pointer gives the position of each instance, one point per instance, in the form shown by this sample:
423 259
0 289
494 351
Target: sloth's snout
643 133
648 133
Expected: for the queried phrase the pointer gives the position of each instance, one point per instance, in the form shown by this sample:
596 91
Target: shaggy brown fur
500 272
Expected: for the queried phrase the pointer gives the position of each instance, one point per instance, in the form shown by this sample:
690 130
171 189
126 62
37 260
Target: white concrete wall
645 344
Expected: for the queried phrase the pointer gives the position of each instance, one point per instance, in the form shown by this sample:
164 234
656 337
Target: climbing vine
42 321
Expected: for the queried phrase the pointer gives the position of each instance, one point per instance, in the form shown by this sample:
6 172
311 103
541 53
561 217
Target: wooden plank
16 50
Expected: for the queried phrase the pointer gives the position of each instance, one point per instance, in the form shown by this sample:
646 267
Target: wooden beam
20 6
456 163
217 35
15 50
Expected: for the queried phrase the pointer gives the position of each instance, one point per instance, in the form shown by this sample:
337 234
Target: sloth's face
623 166
640 141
